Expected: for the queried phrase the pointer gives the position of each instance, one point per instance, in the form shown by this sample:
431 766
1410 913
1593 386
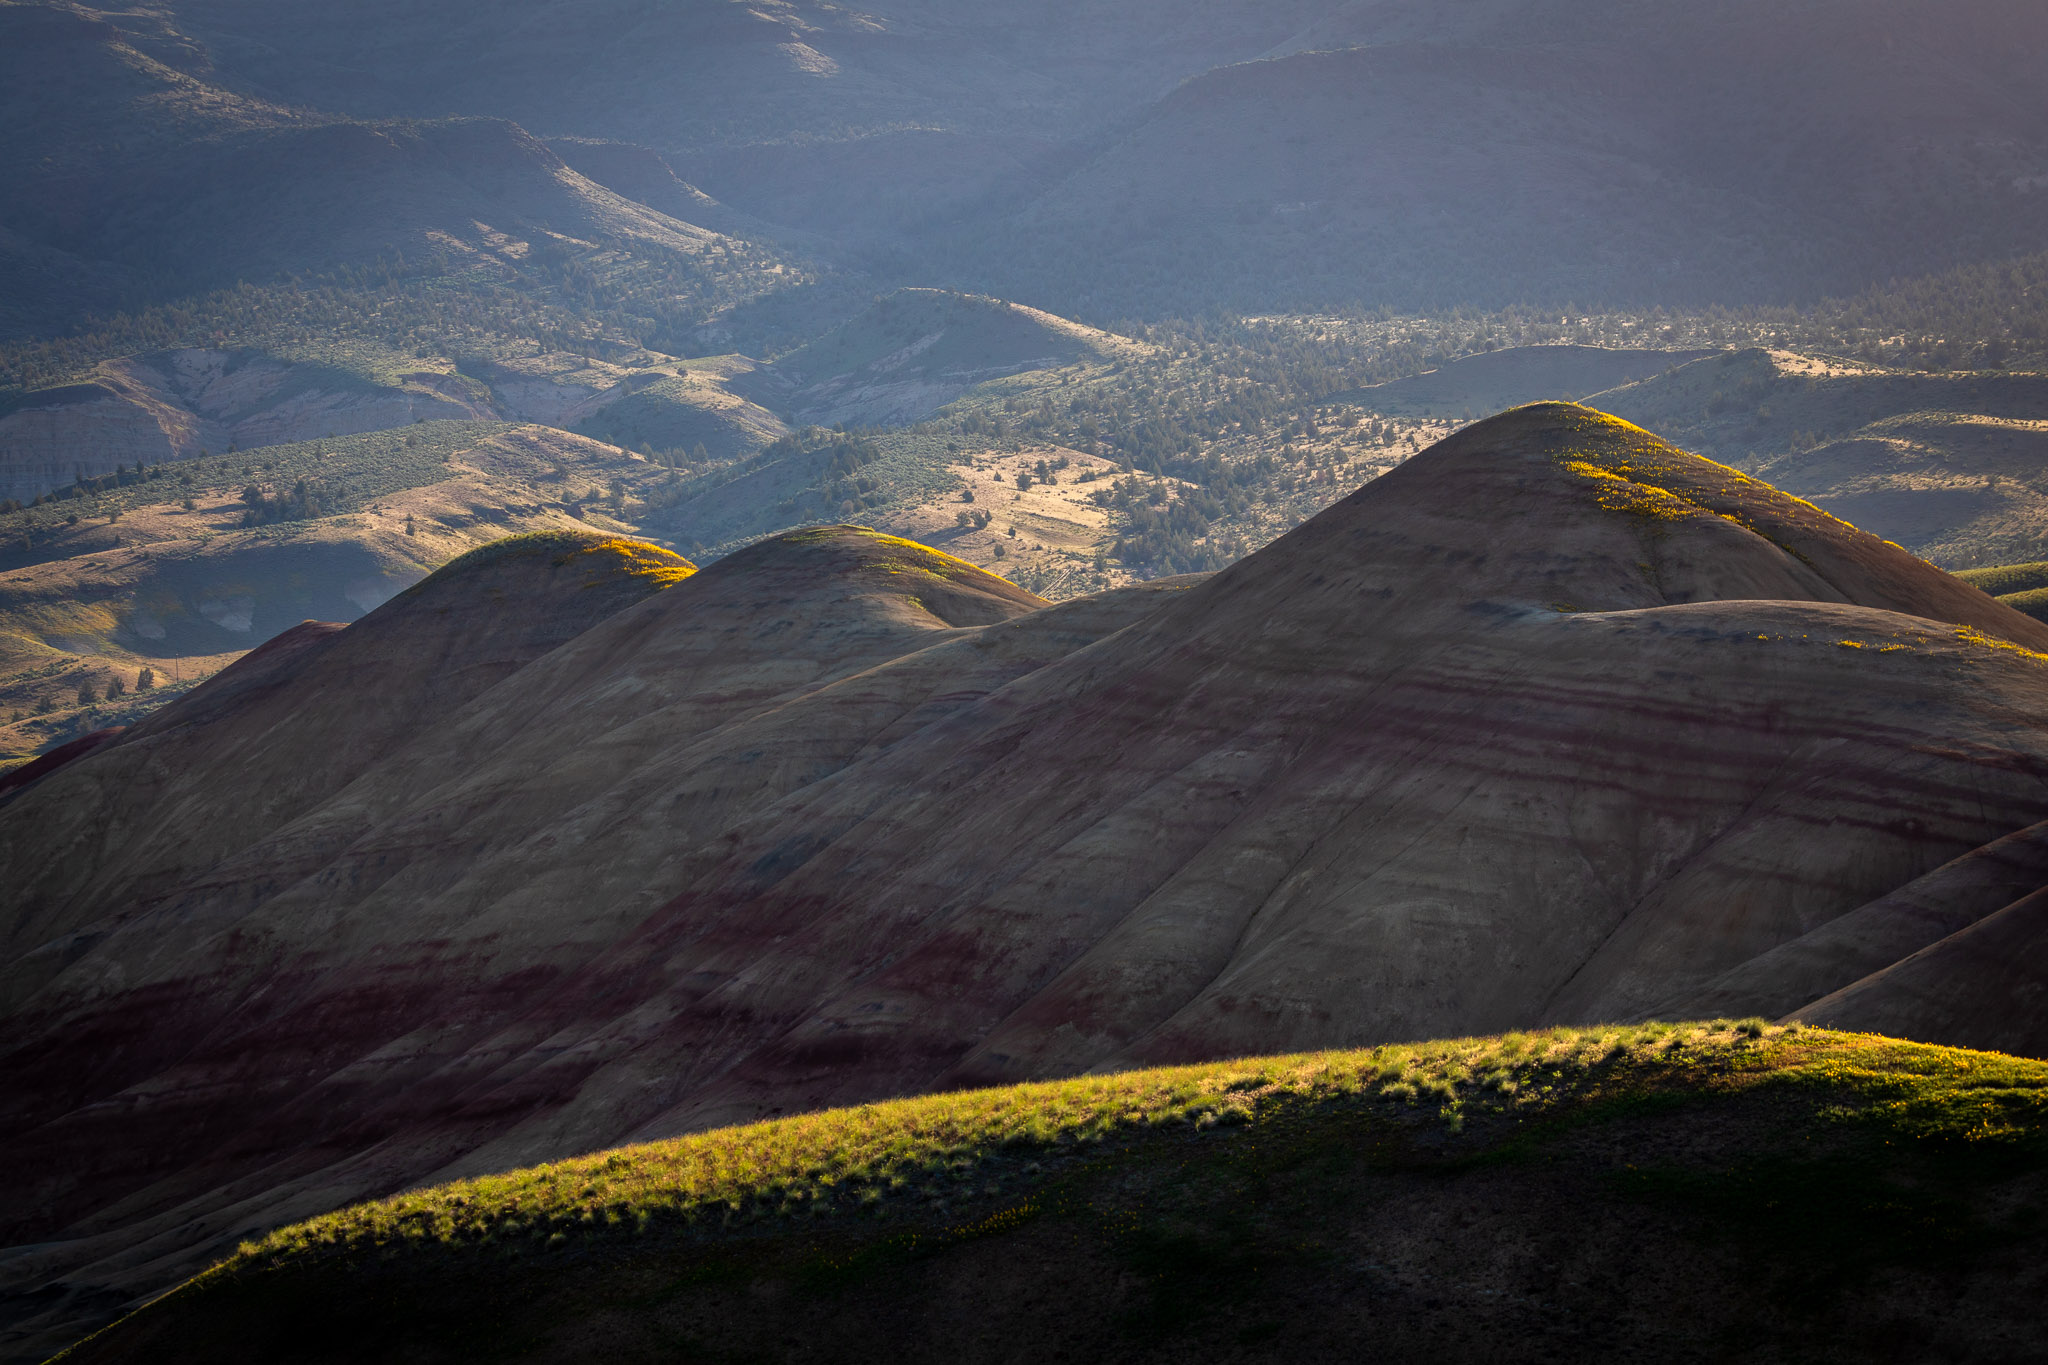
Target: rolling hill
120 574
131 165
174 405
1706 1192
1421 157
1945 463
1538 728
1493 380
919 349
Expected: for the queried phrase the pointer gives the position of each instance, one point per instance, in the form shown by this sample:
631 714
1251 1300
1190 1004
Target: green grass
2006 580
608 555
885 1158
2033 602
2023 587
1223 1200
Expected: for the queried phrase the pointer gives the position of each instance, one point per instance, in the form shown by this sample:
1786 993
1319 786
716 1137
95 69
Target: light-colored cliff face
1553 723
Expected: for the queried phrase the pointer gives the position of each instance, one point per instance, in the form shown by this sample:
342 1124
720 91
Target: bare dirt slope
1554 722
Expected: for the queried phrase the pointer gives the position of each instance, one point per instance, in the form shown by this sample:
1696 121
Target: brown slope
17 778
786 616
1552 722
288 726
1341 768
1860 946
1986 985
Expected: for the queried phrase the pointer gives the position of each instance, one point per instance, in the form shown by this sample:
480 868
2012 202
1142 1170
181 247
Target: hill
179 569
141 171
1674 1192
1303 154
172 405
1509 378
919 349
1423 158
1534 729
1945 463
853 123
2019 586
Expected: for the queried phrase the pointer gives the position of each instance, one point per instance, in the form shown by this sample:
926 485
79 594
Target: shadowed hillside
919 349
145 176
1422 156
1538 728
1677 1193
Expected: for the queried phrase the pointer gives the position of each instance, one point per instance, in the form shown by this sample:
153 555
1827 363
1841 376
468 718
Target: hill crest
1536 729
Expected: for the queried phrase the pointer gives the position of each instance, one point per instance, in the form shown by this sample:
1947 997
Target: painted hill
452 636
1614 1194
172 568
1554 723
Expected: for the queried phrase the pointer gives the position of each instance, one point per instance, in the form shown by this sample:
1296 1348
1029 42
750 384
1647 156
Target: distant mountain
845 120
1299 155
1436 156
1537 728
138 172
1265 155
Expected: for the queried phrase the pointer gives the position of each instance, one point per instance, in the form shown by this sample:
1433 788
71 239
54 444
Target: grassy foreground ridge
1722 1190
